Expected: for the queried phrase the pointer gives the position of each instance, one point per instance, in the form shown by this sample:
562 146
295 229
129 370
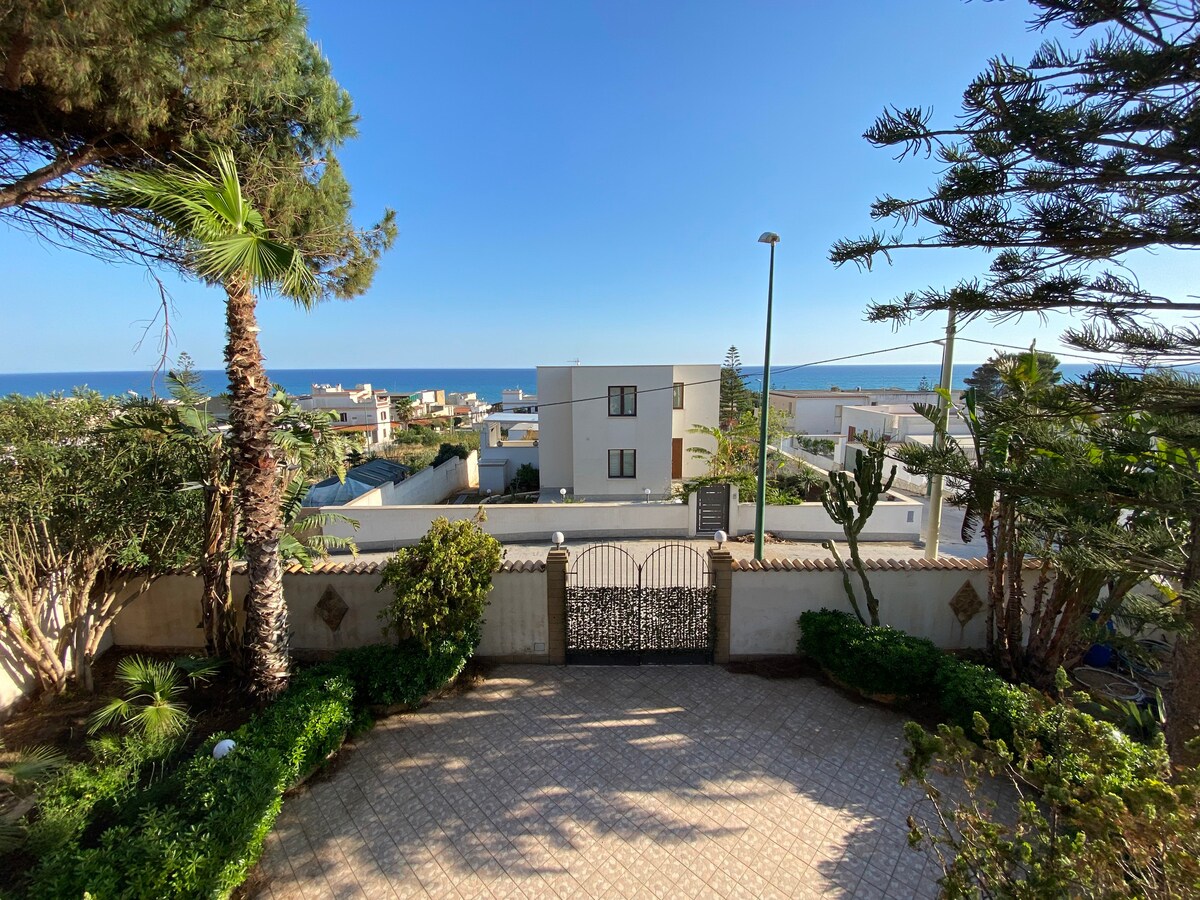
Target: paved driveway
610 782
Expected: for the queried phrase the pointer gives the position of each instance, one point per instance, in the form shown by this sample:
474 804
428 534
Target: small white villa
615 432
362 410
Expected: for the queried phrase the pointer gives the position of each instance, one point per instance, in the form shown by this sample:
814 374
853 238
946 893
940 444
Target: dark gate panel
712 509
620 613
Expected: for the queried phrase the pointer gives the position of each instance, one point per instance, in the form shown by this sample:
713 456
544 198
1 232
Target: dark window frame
623 393
631 455
677 395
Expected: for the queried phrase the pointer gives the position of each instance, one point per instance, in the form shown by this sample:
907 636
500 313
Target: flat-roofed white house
362 410
613 432
821 412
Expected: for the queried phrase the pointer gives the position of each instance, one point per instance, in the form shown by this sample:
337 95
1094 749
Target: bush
964 689
1110 820
199 830
84 792
873 660
447 452
526 479
441 584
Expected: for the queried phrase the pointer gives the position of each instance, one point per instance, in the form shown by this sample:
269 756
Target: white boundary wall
427 486
389 527
766 606
168 615
898 519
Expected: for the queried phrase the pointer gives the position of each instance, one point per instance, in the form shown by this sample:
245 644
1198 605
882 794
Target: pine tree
735 397
1062 168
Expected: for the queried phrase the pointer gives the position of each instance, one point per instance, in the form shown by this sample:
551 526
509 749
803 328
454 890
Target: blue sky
588 180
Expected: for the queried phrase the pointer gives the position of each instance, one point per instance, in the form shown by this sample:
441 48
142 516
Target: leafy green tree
736 399
849 502
1045 478
91 518
447 452
1062 169
308 448
117 85
228 243
440 586
991 378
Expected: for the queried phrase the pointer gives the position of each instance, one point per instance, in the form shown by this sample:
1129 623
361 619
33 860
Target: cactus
850 502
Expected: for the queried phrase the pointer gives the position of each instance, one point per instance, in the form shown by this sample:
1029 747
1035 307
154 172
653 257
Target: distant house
359 480
820 412
507 441
614 432
362 411
516 400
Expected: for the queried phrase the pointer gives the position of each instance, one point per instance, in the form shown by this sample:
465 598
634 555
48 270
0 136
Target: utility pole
934 531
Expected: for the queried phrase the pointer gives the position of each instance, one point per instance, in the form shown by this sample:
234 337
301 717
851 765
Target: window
622 463
383 416
677 395
622 400
341 417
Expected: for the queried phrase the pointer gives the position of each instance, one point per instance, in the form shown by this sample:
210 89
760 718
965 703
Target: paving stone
611 782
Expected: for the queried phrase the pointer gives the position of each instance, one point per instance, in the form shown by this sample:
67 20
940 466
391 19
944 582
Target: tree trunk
1184 723
250 418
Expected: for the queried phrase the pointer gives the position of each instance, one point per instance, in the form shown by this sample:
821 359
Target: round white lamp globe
720 537
557 538
221 750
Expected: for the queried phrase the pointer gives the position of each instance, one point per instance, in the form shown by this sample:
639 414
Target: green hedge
877 660
881 660
197 832
964 689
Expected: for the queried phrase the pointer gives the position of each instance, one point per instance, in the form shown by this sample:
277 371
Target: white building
468 406
613 432
516 400
362 410
820 412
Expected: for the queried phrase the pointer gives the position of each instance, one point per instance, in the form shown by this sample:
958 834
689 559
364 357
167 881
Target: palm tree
227 243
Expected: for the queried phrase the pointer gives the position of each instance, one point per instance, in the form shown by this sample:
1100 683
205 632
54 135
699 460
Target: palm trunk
266 650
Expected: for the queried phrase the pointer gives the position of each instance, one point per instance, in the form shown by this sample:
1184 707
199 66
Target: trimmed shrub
873 660
199 830
203 840
389 675
964 689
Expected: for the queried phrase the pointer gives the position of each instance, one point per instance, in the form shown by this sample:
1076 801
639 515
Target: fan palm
227 242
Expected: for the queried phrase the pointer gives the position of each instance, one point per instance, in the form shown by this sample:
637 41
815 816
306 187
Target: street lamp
767 237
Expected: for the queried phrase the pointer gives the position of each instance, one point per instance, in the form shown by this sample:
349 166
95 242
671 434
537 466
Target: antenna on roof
573 362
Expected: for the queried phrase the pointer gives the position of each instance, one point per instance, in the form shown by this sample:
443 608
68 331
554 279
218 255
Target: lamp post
767 237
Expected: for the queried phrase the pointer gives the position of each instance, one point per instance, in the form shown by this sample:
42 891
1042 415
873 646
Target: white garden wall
168 615
898 519
767 602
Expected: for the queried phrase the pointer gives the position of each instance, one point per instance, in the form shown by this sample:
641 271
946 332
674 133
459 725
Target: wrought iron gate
661 612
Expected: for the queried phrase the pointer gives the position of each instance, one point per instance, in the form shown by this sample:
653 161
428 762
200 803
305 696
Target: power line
686 384
1084 357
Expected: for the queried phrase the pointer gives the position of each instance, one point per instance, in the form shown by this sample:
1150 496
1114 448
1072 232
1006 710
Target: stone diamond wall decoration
332 608
966 603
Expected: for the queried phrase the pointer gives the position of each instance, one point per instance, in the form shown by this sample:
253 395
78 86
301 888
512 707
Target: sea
486 383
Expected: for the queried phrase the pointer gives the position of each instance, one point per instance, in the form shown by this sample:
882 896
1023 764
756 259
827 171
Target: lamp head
557 538
720 537
768 237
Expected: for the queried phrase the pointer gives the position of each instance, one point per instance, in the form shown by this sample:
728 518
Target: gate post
720 568
556 606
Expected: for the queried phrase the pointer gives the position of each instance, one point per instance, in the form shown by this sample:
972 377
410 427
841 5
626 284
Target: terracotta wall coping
872 565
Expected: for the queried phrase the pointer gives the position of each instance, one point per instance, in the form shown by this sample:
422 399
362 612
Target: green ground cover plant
144 819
